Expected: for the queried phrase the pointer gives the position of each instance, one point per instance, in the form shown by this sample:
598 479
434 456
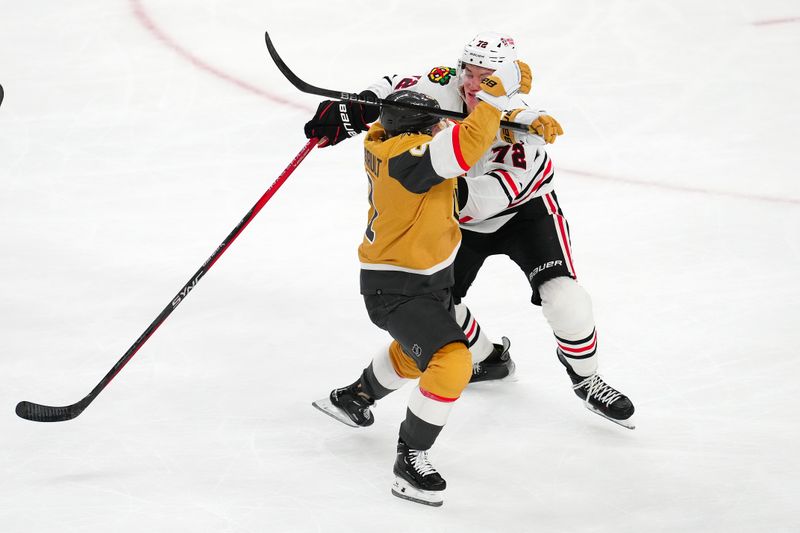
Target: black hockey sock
369 385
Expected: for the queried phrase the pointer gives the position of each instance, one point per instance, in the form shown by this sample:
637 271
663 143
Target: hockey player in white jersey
508 206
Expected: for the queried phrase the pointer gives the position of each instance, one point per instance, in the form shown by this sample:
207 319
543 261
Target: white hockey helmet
488 49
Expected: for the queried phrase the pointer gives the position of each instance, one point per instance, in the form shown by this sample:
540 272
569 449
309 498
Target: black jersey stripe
536 176
415 173
503 185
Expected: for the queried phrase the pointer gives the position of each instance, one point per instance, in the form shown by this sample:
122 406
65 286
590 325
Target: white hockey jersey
505 178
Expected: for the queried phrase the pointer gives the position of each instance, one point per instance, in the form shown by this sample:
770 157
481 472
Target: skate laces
599 389
420 462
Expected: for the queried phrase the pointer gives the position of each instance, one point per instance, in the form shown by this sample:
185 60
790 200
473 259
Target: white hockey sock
429 408
385 373
568 309
479 343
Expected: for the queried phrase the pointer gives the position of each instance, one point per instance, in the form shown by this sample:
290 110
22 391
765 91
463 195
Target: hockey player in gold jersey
412 236
509 207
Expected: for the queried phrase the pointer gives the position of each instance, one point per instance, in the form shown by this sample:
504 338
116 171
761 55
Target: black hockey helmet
397 120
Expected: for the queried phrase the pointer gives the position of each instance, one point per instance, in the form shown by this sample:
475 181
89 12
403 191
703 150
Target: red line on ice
149 24
772 22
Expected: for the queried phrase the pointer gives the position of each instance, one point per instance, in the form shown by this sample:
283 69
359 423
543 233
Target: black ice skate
416 479
497 366
348 406
601 398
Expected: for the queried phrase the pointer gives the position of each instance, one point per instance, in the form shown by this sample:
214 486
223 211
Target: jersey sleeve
505 184
389 84
383 87
456 149
451 153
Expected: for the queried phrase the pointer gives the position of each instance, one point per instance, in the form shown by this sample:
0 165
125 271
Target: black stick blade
46 413
304 86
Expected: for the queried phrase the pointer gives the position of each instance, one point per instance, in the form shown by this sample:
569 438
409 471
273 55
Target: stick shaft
306 87
43 413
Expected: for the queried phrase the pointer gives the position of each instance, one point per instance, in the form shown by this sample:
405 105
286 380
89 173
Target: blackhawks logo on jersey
441 75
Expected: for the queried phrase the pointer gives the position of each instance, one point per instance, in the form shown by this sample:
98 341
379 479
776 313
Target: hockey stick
353 97
46 413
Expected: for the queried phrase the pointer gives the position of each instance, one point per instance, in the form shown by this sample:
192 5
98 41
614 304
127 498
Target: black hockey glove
337 120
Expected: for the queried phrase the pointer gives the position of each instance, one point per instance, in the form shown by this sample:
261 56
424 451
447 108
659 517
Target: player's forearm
477 132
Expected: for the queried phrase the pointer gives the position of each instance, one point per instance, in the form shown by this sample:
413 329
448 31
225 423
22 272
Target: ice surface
135 134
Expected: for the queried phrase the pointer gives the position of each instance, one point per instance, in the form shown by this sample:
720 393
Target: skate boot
600 398
416 479
497 366
349 405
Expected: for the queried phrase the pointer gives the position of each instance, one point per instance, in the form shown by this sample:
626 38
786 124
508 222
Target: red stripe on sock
565 348
471 329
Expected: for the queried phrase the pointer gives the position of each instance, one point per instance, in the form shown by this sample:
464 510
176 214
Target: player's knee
567 306
449 371
402 364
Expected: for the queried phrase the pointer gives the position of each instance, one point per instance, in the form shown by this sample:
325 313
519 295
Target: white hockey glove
542 128
511 78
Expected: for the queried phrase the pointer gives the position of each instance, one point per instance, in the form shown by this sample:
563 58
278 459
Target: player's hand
337 120
526 77
541 127
508 80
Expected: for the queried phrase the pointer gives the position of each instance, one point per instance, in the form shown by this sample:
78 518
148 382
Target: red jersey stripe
510 181
562 231
457 149
550 204
567 348
537 185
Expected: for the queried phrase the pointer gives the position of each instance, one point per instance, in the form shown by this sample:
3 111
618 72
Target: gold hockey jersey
412 233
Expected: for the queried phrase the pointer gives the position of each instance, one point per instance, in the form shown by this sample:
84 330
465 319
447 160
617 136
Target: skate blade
627 423
332 411
403 489
512 373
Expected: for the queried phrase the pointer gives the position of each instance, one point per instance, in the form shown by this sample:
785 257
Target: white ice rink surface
135 134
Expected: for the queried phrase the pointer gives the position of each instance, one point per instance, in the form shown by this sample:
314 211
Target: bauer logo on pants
545 266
